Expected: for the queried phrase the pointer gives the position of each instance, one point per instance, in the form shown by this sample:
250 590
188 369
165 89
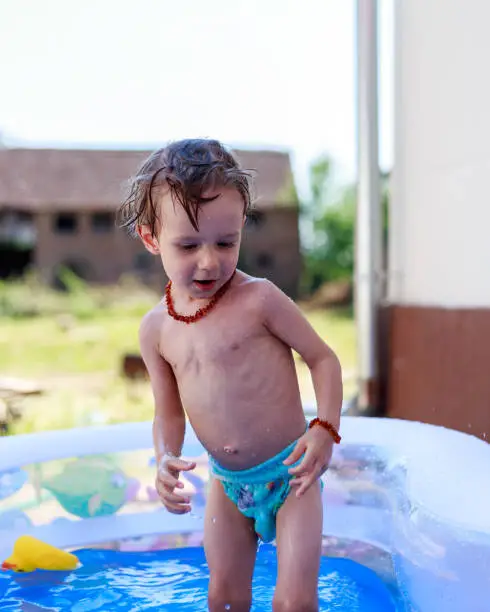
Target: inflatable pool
406 522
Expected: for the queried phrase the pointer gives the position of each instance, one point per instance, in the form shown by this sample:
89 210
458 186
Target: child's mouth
205 285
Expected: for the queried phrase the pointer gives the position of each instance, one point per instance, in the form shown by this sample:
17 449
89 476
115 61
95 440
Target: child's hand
167 480
316 447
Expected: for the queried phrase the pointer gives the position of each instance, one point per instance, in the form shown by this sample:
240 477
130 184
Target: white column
440 218
368 222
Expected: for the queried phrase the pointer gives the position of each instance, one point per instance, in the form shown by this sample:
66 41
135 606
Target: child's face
200 262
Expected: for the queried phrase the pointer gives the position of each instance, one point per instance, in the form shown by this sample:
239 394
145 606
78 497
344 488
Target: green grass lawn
43 347
76 357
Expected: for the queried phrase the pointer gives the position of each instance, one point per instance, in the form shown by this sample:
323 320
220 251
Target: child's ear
147 238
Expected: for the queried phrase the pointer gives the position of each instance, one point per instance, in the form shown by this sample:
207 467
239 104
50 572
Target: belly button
229 450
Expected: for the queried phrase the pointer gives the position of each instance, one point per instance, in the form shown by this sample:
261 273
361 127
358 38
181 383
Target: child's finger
305 466
168 480
170 498
162 489
297 452
177 508
306 484
181 465
173 497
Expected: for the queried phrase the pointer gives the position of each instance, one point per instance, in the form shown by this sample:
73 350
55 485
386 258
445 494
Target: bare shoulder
151 325
261 293
253 286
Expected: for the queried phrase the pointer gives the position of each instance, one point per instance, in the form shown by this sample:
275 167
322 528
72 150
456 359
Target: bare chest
190 349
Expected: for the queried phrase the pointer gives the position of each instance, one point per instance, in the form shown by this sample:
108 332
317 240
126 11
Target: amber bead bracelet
328 426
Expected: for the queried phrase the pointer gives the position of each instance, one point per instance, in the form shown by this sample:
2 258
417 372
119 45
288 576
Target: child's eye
226 245
188 247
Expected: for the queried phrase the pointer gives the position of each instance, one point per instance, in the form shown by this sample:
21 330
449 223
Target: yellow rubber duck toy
31 554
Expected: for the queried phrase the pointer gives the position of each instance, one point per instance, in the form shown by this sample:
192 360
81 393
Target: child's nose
208 259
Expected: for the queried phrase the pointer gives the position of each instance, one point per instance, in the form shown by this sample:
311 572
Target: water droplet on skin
214 519
227 607
485 435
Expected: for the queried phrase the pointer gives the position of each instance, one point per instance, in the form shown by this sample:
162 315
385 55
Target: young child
219 346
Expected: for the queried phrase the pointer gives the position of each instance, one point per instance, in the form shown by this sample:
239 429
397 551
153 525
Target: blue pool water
176 580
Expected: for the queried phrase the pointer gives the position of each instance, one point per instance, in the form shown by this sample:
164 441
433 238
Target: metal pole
368 223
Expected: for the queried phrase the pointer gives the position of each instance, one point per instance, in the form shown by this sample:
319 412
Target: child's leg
299 544
230 545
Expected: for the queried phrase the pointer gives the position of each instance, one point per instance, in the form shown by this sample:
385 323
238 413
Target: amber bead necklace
202 312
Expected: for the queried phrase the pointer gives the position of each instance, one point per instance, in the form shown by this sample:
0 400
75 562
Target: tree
331 255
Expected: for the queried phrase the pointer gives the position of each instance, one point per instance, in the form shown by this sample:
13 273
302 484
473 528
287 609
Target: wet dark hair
187 168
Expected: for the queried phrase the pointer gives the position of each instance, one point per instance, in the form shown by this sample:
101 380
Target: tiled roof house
61 205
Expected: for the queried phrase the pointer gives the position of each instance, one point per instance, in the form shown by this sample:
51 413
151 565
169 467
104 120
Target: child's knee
294 603
226 595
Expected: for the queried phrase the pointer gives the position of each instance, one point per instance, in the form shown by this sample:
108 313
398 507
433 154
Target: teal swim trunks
260 491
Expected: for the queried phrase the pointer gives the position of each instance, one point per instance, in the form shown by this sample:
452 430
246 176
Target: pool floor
177 579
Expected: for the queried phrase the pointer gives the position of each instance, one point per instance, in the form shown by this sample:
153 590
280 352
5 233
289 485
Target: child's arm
286 321
169 419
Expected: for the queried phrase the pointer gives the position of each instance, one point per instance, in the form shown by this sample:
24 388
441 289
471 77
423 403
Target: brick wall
270 249
103 256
